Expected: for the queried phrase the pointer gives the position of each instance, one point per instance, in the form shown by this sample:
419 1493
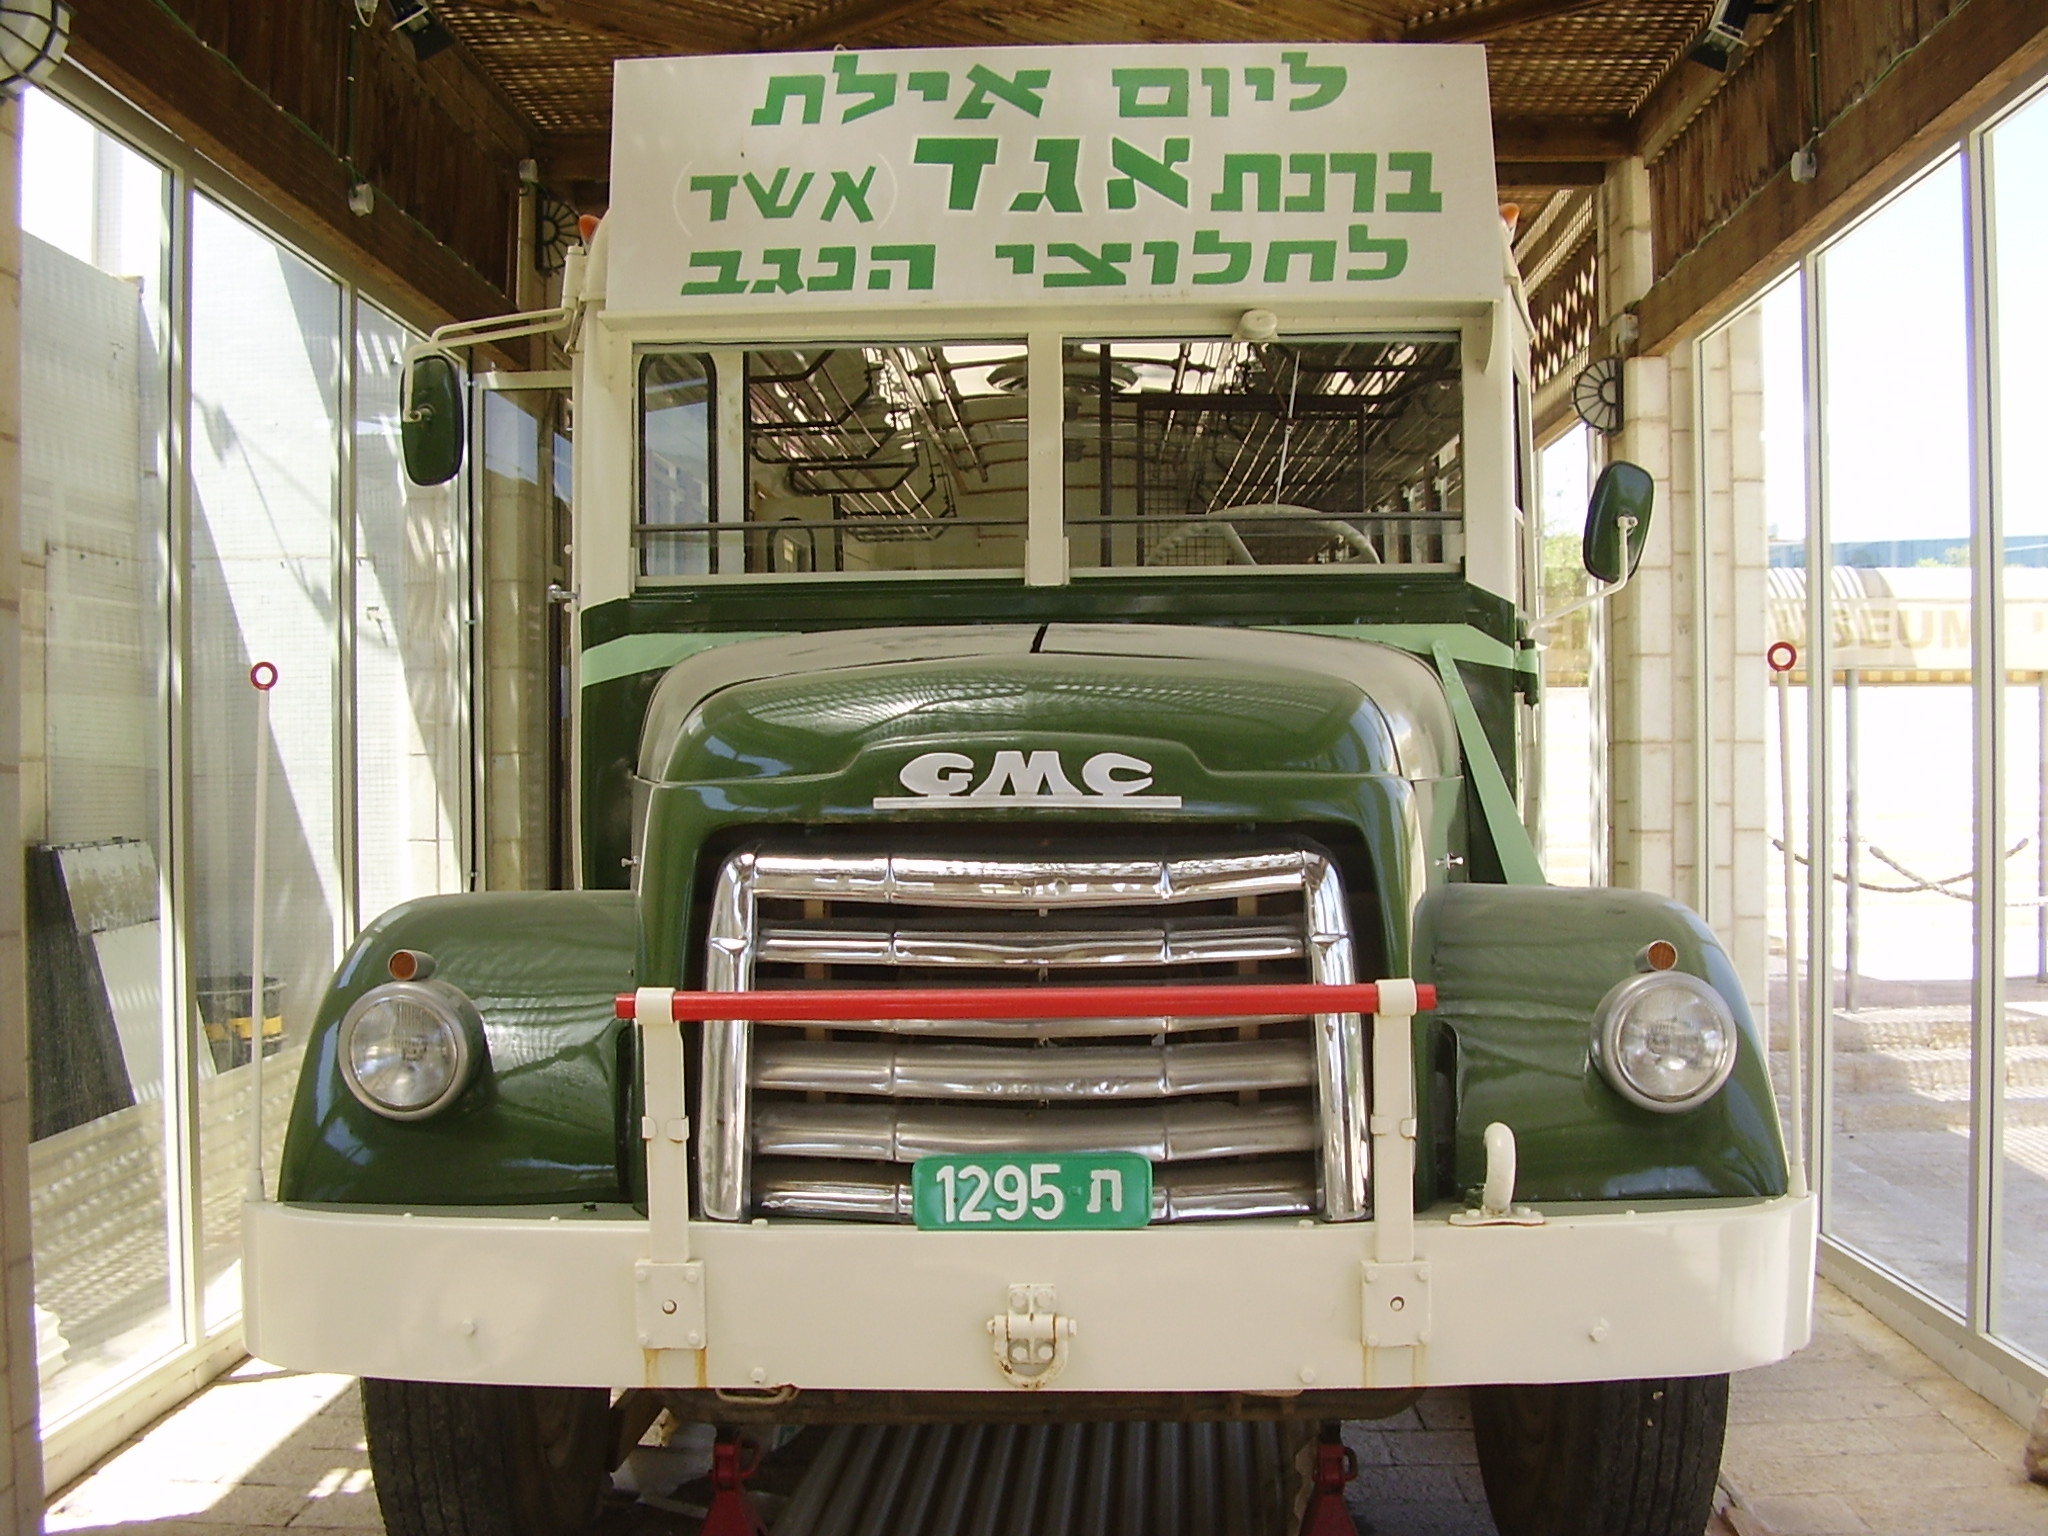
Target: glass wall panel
1896 464
266 358
103 1165
1780 321
1564 475
411 589
2018 171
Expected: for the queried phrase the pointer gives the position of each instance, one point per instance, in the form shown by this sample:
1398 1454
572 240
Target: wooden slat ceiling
1570 78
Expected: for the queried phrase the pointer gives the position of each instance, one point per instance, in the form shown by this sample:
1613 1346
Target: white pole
1782 658
263 677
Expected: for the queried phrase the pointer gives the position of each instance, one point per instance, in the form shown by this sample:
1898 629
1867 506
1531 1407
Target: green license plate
1031 1191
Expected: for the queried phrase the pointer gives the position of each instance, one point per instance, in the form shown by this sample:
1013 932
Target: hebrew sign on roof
1021 176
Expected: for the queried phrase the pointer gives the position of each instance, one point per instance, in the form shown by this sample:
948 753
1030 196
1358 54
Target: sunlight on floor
242 1452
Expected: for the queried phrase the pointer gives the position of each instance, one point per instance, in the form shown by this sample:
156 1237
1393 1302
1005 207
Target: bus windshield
876 459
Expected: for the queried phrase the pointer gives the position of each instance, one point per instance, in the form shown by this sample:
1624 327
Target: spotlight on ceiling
1718 45
427 36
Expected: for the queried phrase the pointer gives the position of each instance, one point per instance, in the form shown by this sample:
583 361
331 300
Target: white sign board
1031 176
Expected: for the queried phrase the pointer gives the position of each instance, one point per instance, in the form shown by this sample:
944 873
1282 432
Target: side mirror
1618 522
430 421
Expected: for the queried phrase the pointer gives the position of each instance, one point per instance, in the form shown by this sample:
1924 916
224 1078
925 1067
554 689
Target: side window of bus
677 464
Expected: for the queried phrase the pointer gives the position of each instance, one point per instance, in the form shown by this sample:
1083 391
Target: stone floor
1858 1433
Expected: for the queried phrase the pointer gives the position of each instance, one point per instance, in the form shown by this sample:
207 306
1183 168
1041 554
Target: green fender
1520 971
540 1124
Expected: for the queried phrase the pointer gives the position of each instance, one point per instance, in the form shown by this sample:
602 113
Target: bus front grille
1256 1114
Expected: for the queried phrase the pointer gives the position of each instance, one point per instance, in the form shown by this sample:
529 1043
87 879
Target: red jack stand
732 1511
1336 1465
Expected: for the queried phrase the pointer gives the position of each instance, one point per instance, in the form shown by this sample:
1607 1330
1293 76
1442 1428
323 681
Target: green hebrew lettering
784 260
1165 256
841 259
1266 168
1364 173
968 157
1061 158
917 261
726 264
1020 257
1393 256
1326 82
769 198
720 188
781 88
1138 166
1321 254
880 90
1132 84
1237 256
1104 271
931 84
1261 82
1311 167
851 194
1021 93
1217 83
1420 197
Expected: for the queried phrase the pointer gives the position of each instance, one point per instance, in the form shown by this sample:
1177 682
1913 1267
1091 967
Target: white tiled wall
1687 637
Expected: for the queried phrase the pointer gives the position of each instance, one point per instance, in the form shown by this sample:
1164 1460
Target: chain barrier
1920 882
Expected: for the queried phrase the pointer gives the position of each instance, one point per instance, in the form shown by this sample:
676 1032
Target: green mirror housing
430 427
1618 521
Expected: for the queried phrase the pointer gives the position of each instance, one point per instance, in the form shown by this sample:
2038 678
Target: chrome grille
1256 1114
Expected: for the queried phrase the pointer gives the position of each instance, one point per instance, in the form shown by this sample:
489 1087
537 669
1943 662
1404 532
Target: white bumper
1251 1306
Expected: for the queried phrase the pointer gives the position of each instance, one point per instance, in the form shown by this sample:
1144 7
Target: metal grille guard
1392 1004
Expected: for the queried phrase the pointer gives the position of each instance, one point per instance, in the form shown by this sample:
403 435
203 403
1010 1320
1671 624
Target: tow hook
1031 1338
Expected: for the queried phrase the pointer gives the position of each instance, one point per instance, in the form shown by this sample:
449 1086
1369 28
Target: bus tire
453 1459
1599 1458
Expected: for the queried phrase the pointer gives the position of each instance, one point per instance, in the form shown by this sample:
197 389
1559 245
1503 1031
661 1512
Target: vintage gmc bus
1057 933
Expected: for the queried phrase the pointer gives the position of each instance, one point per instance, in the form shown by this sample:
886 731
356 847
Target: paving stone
1849 1472
1769 1406
1432 1447
1449 1408
2017 1509
1813 1514
352 1509
1424 1518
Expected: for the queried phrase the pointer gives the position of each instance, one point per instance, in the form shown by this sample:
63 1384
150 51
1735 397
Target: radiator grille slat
1197 1192
1181 943
996 1074
1163 1133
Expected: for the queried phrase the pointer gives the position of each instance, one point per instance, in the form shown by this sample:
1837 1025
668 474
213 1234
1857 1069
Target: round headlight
1665 1040
408 1048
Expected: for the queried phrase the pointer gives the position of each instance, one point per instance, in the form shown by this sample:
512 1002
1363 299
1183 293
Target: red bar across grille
1184 1002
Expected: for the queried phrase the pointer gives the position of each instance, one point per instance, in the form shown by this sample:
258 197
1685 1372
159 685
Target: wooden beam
566 157
1593 140
1687 87
847 24
145 53
1985 50
1550 175
1475 23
